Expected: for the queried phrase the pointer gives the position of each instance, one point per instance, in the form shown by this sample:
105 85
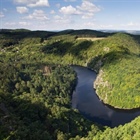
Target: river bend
87 102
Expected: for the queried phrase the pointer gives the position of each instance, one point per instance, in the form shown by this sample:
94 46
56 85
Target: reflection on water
86 101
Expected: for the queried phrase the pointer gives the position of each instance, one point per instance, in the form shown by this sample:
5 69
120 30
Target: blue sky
70 14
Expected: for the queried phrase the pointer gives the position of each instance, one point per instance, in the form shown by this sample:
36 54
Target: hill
84 33
37 82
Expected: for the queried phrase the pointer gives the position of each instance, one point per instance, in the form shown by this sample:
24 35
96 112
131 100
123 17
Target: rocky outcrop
98 65
106 49
100 83
99 80
47 70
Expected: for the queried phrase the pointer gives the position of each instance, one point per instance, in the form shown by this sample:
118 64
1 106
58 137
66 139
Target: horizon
100 30
50 15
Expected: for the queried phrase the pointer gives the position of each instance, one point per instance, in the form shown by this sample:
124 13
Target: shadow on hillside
13 37
25 119
26 34
108 58
57 48
136 38
62 48
78 48
32 120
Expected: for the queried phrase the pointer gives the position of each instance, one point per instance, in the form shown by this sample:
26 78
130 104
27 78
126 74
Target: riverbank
88 103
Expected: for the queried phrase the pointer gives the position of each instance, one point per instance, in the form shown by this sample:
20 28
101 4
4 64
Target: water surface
87 102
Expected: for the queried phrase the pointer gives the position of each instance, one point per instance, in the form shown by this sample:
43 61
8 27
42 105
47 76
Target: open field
91 38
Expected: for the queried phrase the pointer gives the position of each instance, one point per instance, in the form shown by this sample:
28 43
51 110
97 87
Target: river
87 102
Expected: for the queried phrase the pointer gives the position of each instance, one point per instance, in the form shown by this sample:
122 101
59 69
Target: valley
37 82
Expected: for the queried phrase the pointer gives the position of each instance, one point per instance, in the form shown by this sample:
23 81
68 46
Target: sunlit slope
119 72
116 58
129 131
35 103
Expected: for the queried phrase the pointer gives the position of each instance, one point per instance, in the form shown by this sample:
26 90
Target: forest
37 83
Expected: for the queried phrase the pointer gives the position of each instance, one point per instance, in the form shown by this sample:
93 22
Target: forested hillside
37 83
126 132
119 75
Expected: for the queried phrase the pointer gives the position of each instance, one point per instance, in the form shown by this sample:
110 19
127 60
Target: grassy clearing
91 38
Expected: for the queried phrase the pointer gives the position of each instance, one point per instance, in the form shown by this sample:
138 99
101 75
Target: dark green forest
37 82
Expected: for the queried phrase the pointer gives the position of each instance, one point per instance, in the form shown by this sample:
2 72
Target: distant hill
84 32
133 32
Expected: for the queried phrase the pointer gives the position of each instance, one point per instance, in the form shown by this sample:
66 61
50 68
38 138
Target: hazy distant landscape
37 82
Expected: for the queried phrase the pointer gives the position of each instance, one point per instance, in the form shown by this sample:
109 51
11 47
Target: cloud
89 7
23 23
62 20
52 12
57 17
10 23
87 10
69 10
21 1
87 15
37 14
1 14
39 3
22 10
106 26
70 0
17 24
33 3
132 24
4 9
89 24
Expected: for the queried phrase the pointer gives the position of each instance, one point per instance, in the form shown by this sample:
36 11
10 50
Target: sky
70 14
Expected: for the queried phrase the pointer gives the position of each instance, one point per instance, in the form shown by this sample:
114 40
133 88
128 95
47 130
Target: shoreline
114 107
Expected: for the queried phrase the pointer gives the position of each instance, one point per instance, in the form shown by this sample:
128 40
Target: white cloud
4 9
22 10
52 12
21 1
95 25
17 24
132 24
23 23
88 7
106 26
86 10
89 24
62 20
69 10
37 14
33 3
57 17
39 3
70 0
87 15
1 14
10 23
